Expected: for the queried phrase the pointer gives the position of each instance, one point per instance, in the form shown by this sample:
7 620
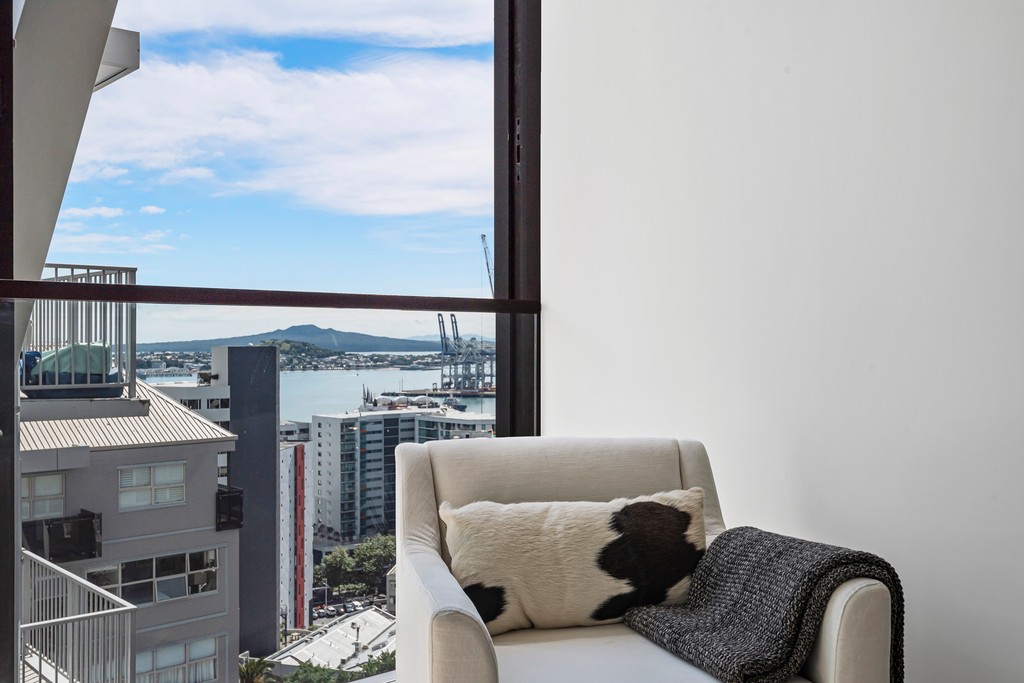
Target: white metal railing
71 630
80 348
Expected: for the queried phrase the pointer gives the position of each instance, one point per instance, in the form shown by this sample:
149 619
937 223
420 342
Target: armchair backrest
512 470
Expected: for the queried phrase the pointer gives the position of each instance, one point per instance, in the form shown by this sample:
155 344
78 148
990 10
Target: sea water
322 392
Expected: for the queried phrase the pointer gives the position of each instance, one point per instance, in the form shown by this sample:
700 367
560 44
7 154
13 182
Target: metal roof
167 423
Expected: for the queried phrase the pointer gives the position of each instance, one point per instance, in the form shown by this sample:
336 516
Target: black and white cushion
557 564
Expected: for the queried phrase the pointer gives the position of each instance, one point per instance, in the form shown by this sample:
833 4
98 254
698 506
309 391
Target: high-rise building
355 463
295 537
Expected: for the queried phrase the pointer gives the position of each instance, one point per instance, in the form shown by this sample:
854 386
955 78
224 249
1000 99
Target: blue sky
331 146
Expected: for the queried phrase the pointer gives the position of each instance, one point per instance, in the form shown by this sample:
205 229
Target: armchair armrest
853 643
442 638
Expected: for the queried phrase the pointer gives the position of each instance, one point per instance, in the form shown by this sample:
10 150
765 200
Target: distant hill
333 340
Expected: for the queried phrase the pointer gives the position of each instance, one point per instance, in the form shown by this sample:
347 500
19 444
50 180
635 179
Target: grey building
242 393
123 492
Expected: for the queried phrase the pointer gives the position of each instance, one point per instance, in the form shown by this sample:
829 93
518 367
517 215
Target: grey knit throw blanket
756 603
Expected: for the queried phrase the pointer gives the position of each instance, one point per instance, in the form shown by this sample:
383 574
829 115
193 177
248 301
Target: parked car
320 613
331 612
349 607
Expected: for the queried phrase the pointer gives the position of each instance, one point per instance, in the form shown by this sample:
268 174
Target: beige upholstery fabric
591 653
441 638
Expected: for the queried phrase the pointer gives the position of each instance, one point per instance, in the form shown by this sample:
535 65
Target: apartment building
295 571
128 500
355 463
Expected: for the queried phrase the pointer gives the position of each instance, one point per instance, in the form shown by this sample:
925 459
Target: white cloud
399 136
97 172
152 210
77 242
176 175
92 212
387 22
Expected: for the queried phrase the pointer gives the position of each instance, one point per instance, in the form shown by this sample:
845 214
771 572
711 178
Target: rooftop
335 644
166 422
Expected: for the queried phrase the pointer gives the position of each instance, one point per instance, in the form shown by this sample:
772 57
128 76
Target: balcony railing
71 630
229 507
80 349
65 539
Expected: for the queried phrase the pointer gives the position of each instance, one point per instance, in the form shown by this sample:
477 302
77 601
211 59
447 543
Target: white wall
802 225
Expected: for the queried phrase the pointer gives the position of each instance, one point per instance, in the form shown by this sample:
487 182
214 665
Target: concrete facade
186 603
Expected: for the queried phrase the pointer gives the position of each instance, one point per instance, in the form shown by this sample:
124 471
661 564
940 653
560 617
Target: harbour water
319 392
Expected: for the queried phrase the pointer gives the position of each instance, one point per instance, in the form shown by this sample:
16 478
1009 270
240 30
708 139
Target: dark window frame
516 303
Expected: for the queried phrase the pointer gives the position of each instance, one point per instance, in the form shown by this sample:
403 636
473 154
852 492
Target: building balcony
71 630
229 507
80 349
65 539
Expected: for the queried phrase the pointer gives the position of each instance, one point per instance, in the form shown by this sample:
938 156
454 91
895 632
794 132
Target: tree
378 664
373 558
255 671
338 568
311 673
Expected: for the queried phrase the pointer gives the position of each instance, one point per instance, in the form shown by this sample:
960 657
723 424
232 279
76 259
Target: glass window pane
172 676
168 589
43 508
168 494
136 570
168 474
171 655
201 672
202 582
25 487
48 485
138 593
135 498
203 559
133 476
376 145
26 509
143 662
170 565
202 648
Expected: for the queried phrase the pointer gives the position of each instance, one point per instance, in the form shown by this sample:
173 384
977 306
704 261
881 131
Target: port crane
467 365
487 262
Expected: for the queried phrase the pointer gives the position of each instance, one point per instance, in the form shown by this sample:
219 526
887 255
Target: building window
217 403
194 662
159 579
190 403
151 485
42 496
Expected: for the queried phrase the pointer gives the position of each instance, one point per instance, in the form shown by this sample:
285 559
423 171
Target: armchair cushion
577 563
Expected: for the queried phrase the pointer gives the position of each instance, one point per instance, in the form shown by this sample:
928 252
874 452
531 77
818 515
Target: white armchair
441 638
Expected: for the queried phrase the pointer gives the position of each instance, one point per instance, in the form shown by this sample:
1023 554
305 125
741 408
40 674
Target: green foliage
255 671
338 568
378 664
373 558
367 564
311 673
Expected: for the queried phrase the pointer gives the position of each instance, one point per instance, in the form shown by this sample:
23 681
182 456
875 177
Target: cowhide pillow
549 565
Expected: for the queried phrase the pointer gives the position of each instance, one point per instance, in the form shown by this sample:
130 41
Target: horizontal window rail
71 630
216 296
